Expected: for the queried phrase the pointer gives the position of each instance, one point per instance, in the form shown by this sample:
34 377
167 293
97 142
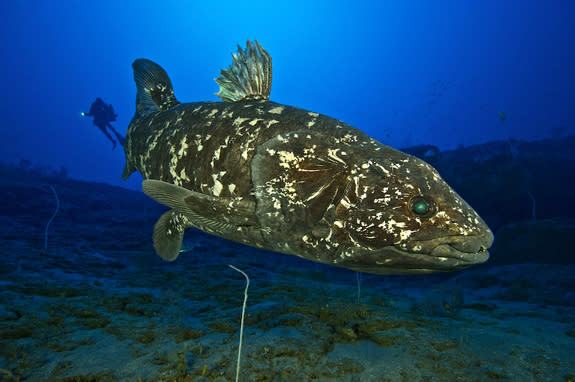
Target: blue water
489 83
404 72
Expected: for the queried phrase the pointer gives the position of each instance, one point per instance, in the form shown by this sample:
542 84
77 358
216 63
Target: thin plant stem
52 218
242 322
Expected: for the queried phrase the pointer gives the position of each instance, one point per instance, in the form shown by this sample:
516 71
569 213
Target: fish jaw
451 253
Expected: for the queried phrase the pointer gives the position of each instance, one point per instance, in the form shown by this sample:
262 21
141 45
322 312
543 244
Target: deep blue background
405 72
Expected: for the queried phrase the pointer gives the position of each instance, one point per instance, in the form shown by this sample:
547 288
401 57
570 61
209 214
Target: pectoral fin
219 216
169 233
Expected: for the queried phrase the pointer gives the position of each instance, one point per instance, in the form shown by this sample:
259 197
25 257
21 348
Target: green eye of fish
421 206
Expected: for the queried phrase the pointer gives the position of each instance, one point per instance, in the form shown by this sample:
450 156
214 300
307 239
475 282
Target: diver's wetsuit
104 114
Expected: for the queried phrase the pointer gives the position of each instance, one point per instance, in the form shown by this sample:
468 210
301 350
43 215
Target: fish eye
421 206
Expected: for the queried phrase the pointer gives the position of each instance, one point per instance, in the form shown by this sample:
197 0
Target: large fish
290 180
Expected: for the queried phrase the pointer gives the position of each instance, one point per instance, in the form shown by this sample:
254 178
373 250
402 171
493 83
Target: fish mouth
450 253
463 249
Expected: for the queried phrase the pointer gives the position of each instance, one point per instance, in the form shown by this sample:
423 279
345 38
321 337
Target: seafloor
97 304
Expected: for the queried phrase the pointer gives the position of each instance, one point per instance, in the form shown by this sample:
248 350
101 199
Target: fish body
290 180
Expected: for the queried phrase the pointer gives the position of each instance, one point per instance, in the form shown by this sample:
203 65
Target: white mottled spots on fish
174 172
404 235
385 201
246 144
383 169
310 241
215 157
276 110
345 203
310 123
441 215
255 121
218 186
393 227
287 159
332 153
356 184
271 122
227 114
309 150
183 147
312 114
184 176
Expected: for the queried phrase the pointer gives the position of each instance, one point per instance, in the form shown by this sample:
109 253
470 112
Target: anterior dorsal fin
249 77
155 90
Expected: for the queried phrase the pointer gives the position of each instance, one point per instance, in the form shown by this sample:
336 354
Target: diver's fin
205 212
155 90
168 235
119 136
249 77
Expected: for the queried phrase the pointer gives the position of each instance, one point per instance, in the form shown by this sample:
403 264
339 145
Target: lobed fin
168 235
155 91
193 209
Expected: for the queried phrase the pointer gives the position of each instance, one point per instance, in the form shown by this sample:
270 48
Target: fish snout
468 250
473 244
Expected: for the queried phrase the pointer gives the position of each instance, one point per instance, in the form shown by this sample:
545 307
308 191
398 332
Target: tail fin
155 90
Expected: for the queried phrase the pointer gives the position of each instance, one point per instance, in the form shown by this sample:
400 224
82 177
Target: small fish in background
290 180
502 116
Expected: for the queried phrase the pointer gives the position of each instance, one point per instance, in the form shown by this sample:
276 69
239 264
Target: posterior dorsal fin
155 91
249 77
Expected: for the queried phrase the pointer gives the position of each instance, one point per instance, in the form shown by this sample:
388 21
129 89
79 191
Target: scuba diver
104 114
